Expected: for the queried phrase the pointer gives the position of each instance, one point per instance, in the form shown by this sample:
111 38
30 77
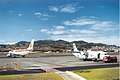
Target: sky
70 20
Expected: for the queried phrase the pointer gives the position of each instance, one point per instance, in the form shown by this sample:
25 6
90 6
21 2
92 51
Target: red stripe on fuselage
18 50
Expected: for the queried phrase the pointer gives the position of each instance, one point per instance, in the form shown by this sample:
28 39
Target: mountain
59 45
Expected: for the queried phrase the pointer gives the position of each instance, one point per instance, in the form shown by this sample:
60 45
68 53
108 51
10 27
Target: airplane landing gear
23 56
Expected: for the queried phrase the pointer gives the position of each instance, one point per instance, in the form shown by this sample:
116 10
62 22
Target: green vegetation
41 76
58 46
99 74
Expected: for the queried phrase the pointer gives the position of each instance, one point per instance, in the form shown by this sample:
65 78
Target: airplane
77 53
75 48
21 52
89 54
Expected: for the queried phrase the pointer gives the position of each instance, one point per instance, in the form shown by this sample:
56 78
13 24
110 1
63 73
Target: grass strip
99 74
39 76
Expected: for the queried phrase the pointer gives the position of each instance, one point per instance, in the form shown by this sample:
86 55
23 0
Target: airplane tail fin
75 48
30 47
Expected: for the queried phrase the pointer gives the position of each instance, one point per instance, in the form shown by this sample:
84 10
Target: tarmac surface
62 63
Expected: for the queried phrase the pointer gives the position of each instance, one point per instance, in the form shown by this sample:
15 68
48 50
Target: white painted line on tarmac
75 75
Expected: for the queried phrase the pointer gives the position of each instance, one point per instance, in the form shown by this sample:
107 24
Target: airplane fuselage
90 54
15 53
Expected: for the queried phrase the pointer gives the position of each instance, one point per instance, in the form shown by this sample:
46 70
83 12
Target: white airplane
77 53
88 55
21 52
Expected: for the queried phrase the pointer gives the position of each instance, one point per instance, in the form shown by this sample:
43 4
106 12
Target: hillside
59 45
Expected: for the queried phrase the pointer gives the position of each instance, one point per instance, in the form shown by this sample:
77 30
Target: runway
49 61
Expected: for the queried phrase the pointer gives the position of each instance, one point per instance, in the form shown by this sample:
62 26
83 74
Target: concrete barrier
75 75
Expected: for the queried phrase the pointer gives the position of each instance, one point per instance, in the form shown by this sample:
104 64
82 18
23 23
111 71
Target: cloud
43 19
79 22
111 40
43 30
38 14
93 23
53 8
1 41
10 43
84 31
67 8
72 34
61 30
42 16
104 26
56 30
70 37
46 15
20 14
6 42
84 20
52 31
59 27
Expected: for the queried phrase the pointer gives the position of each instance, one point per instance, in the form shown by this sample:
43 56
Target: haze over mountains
58 45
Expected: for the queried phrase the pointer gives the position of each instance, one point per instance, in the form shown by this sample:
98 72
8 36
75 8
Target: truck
110 59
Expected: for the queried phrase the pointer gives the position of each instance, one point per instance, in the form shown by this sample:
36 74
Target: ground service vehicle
110 59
